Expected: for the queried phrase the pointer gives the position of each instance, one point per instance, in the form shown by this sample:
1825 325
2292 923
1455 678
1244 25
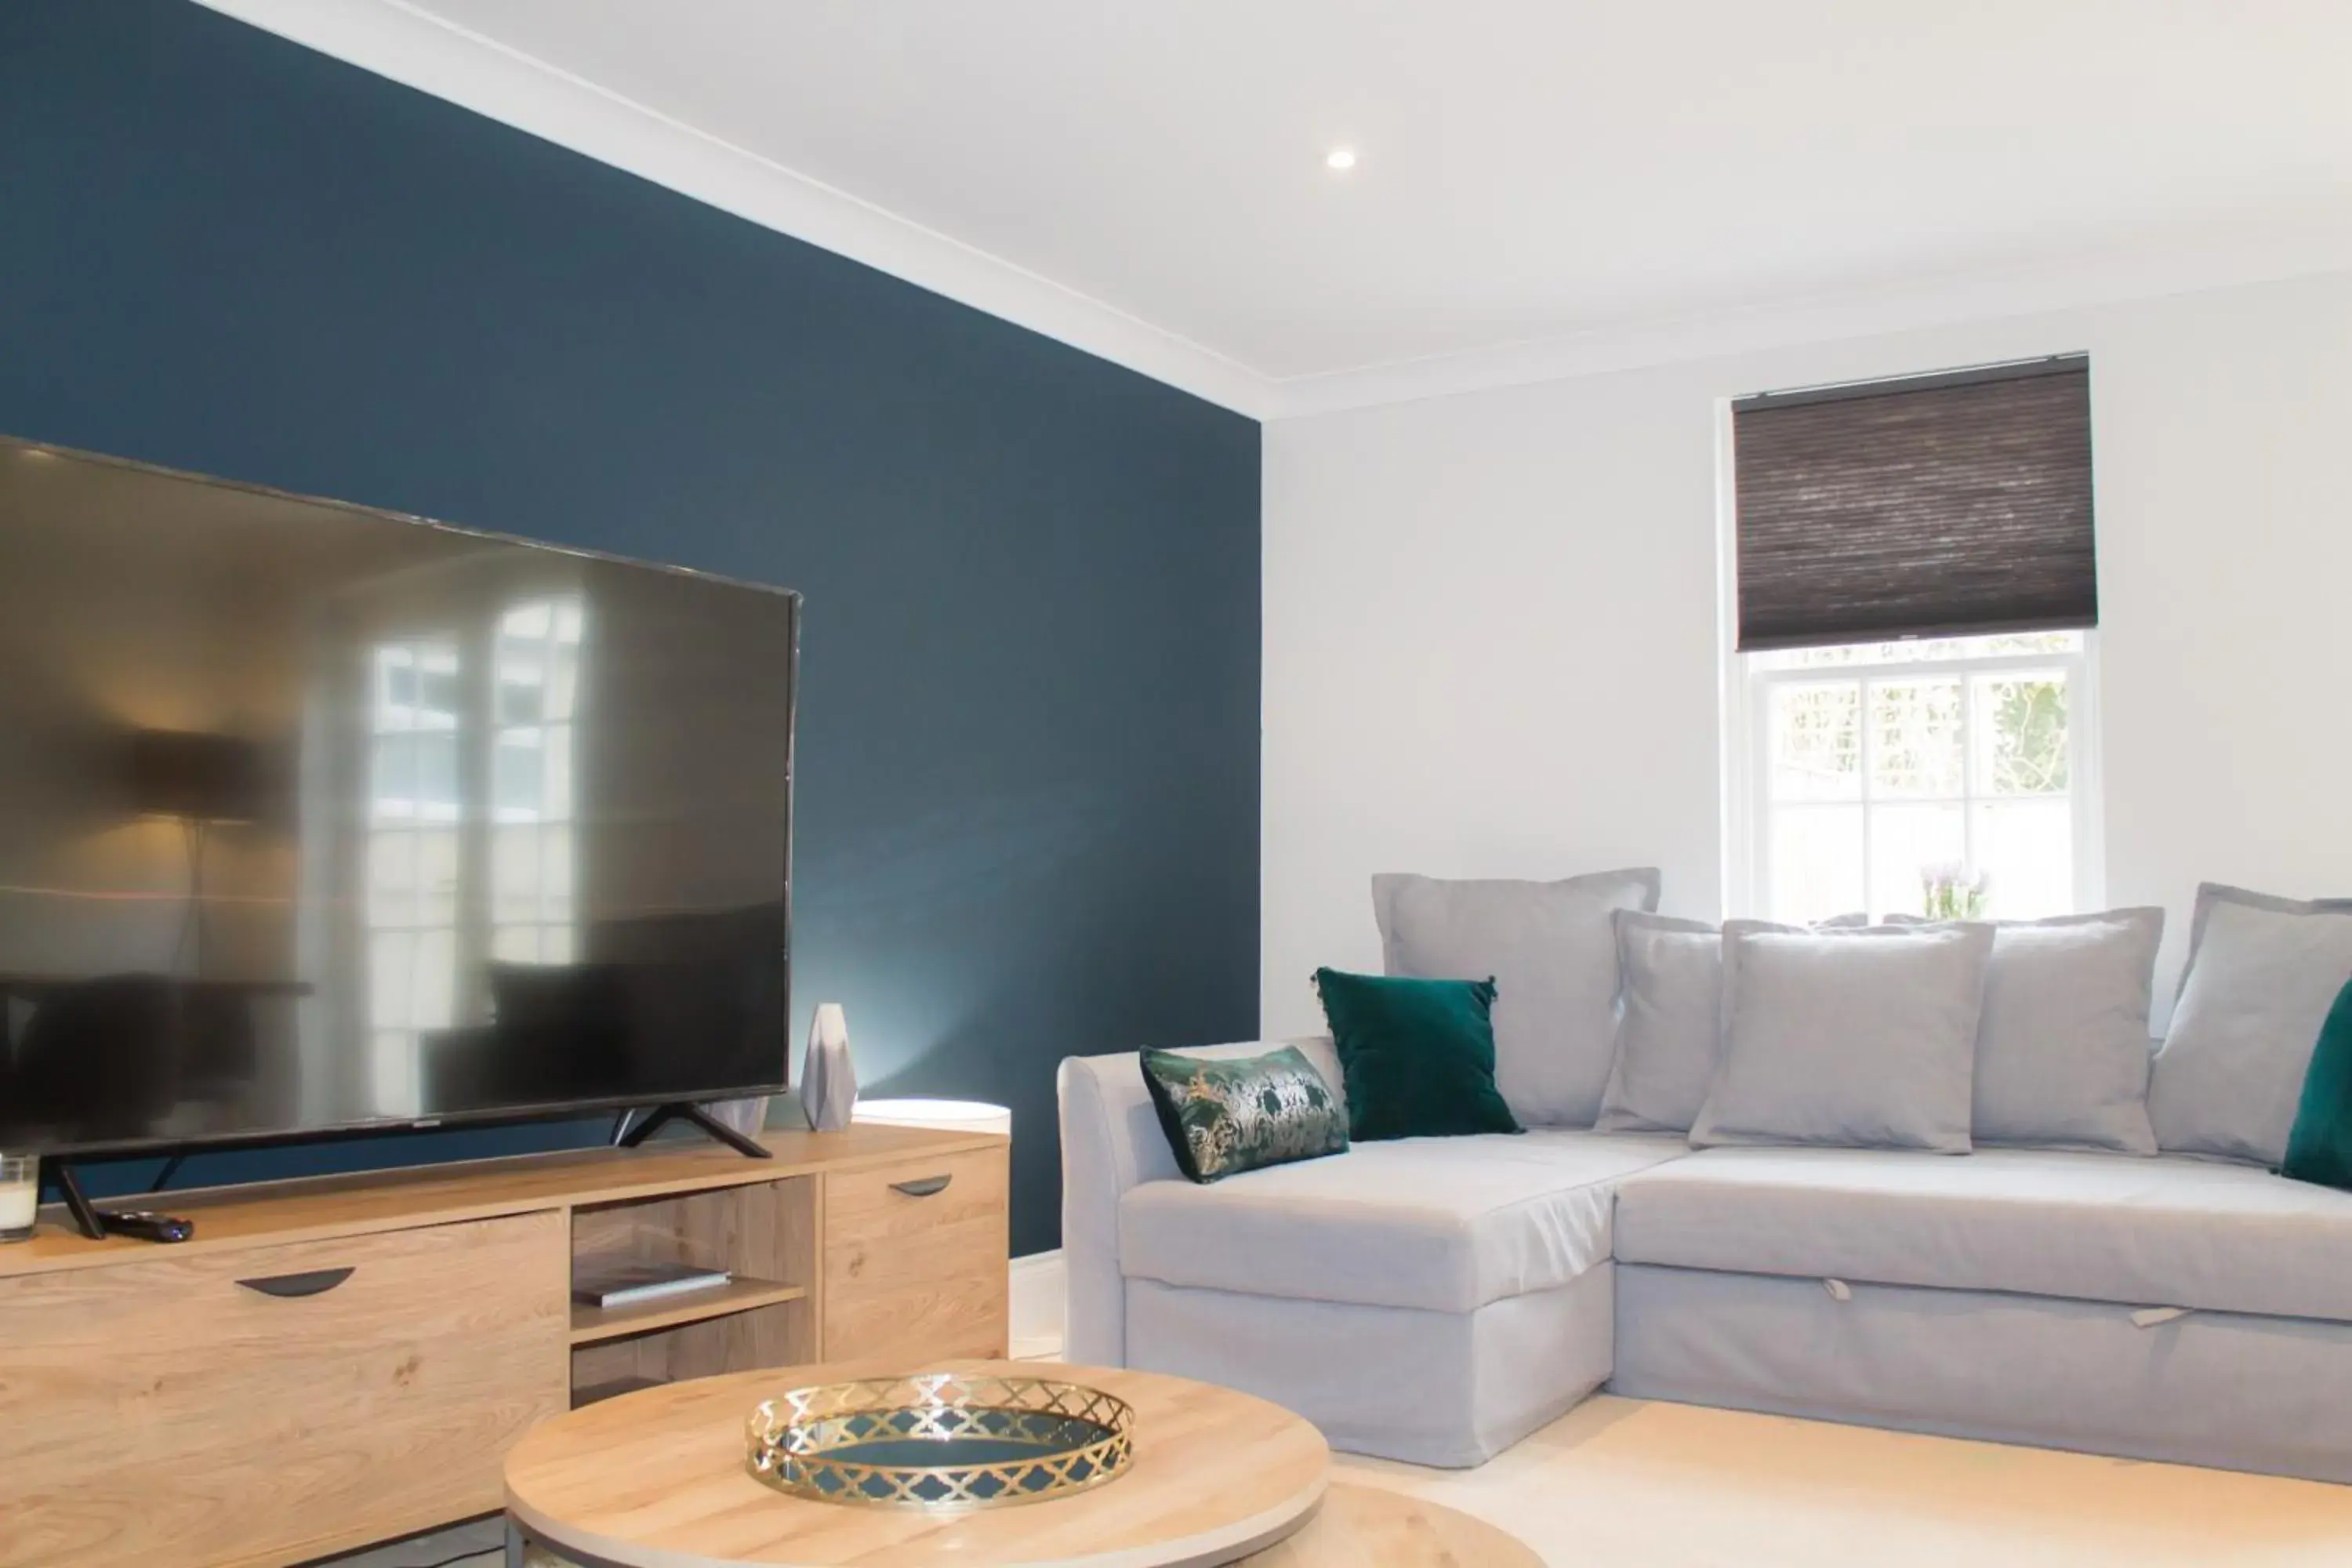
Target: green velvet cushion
1418 1055
2319 1149
1238 1113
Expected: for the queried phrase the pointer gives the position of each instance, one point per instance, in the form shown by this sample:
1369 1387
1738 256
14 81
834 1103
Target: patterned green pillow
1242 1112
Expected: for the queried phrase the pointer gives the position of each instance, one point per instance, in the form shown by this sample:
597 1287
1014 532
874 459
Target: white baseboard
1036 1323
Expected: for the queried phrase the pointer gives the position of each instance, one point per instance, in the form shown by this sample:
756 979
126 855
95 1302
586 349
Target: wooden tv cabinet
336 1362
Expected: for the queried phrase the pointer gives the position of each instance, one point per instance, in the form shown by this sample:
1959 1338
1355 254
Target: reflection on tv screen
314 818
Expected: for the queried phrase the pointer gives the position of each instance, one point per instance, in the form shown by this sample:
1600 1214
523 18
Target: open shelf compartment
593 1325
763 1234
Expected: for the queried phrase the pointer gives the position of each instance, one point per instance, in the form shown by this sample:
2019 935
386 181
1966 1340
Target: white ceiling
1530 169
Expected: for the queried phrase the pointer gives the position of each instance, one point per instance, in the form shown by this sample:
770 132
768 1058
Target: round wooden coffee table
1362 1527
657 1479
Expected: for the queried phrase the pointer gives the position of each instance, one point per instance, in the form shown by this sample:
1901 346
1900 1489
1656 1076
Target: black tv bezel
546 1111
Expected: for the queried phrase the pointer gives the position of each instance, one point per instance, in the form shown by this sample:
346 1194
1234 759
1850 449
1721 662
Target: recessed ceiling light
1340 158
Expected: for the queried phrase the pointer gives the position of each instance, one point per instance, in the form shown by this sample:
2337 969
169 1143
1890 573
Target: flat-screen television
315 819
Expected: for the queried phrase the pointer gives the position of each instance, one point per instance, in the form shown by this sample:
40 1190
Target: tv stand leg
85 1214
629 1137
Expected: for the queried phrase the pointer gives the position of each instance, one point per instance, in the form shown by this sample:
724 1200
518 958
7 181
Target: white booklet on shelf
628 1283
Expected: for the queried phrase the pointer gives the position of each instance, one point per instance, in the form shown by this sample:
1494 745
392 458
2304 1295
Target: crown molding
2231 256
417 49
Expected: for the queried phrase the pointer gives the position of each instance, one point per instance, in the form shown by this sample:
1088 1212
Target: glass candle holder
20 1195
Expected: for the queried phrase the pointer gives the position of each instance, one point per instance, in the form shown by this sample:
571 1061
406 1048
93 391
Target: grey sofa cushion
1445 1224
1860 1038
2159 1232
1670 1019
2062 1046
1669 1023
1553 953
2261 975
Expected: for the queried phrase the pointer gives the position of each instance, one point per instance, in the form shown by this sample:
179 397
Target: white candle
939 1115
17 1202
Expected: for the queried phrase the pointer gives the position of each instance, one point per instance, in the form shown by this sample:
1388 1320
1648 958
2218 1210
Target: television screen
313 817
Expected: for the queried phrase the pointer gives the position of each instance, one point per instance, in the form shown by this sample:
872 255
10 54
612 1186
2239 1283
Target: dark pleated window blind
1936 506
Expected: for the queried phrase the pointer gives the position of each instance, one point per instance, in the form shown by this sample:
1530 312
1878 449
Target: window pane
521 686
515 876
393 794
555 872
1904 841
436 876
389 966
1816 742
392 878
437 775
1816 870
395 687
432 994
1916 739
520 779
529 622
515 944
2023 721
2026 849
563 676
436 687
555 800
1941 749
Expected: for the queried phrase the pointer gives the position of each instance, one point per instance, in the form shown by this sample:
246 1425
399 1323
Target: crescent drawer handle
923 1186
318 1282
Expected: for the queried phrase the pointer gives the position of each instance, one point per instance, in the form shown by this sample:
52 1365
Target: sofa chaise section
1428 1299
1441 1225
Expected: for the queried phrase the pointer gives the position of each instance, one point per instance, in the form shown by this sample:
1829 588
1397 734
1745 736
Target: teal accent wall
1028 807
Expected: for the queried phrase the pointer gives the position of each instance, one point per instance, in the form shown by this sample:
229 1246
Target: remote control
147 1225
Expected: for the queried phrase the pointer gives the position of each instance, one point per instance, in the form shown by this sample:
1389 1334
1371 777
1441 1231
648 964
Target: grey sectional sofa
1436 1300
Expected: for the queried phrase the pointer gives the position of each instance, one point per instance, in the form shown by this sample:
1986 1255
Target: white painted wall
1491 620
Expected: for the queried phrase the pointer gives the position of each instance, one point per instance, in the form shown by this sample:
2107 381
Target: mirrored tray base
940 1442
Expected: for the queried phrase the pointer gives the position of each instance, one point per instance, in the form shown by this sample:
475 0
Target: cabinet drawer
267 1405
915 1270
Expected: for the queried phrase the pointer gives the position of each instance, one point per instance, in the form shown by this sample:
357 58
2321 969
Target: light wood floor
1621 1483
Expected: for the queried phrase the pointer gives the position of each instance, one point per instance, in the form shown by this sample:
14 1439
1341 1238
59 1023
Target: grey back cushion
1669 1023
1670 1020
1864 1038
1551 950
2263 973
2062 1044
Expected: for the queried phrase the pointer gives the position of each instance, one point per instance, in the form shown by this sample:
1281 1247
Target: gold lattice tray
941 1442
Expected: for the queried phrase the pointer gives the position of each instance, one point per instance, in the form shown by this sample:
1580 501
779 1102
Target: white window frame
393 1050
552 929
2080 669
1745 690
